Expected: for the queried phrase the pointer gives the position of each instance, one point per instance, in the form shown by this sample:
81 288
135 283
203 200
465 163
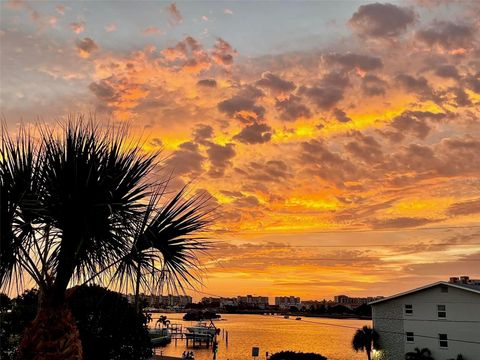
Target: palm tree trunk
368 355
137 290
52 335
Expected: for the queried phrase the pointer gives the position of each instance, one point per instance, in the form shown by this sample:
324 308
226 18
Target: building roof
466 287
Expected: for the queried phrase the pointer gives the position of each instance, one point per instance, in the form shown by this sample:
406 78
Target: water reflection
329 337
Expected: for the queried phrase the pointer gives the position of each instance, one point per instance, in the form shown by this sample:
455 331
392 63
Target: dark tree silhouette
292 355
365 339
80 205
109 326
419 354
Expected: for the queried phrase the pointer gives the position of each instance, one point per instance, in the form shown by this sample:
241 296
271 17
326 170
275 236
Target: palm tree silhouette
81 205
365 339
164 321
417 354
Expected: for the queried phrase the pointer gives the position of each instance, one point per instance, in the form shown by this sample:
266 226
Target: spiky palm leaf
19 189
92 192
78 207
167 243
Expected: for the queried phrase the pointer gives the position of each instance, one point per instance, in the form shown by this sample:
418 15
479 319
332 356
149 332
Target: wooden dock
178 333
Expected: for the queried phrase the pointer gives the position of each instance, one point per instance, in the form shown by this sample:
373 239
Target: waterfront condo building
285 302
353 302
443 317
260 302
169 301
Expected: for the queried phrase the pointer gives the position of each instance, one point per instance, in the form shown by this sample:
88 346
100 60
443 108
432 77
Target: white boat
203 329
160 336
159 332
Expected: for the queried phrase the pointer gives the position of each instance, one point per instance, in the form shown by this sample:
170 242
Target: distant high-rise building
286 302
354 302
260 302
163 301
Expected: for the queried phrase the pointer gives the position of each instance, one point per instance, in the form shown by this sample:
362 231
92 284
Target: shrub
292 355
109 326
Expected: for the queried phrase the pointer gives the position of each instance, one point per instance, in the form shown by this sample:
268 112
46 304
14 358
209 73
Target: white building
443 317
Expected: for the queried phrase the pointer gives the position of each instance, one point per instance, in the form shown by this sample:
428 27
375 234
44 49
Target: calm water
272 334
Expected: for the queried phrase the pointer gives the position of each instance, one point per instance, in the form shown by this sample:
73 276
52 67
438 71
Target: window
442 311
408 309
444 289
410 337
443 340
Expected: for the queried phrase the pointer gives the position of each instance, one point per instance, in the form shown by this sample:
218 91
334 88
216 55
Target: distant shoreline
329 316
262 313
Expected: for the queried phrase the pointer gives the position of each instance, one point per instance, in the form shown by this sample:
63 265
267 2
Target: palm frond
93 189
167 243
80 206
19 206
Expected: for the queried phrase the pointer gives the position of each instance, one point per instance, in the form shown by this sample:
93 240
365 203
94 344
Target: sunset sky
340 140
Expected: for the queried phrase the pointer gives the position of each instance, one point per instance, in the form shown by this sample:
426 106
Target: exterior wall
462 323
390 331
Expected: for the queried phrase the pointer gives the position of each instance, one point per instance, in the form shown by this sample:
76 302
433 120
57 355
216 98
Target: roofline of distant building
457 286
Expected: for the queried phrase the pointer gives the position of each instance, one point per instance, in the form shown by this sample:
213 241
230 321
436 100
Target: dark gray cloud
244 100
265 171
341 115
211 83
338 79
447 71
324 97
457 156
320 161
355 61
419 85
414 123
87 45
255 133
220 157
292 108
382 20
447 35
186 160
175 15
400 222
373 85
465 208
365 147
202 133
223 52
104 90
247 202
275 84
232 194
473 82
461 98
328 91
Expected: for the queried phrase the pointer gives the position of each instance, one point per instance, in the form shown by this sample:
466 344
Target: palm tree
365 339
80 206
423 354
164 321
